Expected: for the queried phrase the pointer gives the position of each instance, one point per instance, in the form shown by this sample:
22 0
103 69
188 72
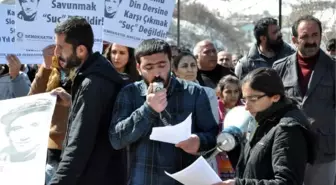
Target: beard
160 79
71 62
275 45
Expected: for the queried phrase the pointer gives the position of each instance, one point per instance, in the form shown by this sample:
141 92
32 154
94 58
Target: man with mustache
269 48
141 106
209 72
309 78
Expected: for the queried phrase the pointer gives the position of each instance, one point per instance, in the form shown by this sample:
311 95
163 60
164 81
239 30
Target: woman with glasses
282 144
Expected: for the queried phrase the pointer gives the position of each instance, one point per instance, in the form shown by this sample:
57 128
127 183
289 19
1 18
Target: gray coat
254 60
14 88
319 101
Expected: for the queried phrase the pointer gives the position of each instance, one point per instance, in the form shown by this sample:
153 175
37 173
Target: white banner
37 19
24 131
7 38
128 22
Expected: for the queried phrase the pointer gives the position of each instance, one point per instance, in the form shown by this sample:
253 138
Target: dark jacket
133 120
88 157
254 60
211 78
319 101
280 148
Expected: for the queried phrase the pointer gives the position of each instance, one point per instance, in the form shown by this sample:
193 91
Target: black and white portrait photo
23 128
28 10
111 8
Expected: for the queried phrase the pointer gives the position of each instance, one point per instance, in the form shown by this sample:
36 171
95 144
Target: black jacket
88 157
280 148
211 78
254 60
318 103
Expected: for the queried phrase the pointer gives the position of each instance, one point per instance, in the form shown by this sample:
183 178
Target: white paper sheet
173 134
24 130
133 22
198 173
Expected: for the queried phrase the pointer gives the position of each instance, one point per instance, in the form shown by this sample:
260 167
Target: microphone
235 124
158 86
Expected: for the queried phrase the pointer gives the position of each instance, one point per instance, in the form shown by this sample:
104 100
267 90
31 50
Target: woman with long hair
123 60
228 92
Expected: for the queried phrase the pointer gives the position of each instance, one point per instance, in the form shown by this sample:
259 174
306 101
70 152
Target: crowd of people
107 106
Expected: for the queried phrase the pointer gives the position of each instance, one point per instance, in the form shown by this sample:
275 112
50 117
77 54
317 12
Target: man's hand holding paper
190 145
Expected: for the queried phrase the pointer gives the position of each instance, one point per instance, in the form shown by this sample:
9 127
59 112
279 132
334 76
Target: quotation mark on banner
128 26
54 19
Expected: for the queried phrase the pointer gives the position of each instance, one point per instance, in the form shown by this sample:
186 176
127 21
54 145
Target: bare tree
215 27
316 8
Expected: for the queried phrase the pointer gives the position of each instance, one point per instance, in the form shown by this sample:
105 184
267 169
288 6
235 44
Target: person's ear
138 68
263 39
275 98
294 40
81 51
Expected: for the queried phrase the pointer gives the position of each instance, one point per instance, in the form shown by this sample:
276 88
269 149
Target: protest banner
24 131
128 22
36 20
7 38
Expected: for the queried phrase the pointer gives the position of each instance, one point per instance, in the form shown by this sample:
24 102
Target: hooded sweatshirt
88 157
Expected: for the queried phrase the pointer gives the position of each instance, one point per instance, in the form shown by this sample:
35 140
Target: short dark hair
152 46
182 54
77 32
224 81
305 18
331 45
261 27
265 80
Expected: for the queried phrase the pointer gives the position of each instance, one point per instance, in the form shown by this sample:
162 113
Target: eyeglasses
252 99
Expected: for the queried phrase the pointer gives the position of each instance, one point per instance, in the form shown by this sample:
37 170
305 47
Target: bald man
225 59
235 58
209 72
